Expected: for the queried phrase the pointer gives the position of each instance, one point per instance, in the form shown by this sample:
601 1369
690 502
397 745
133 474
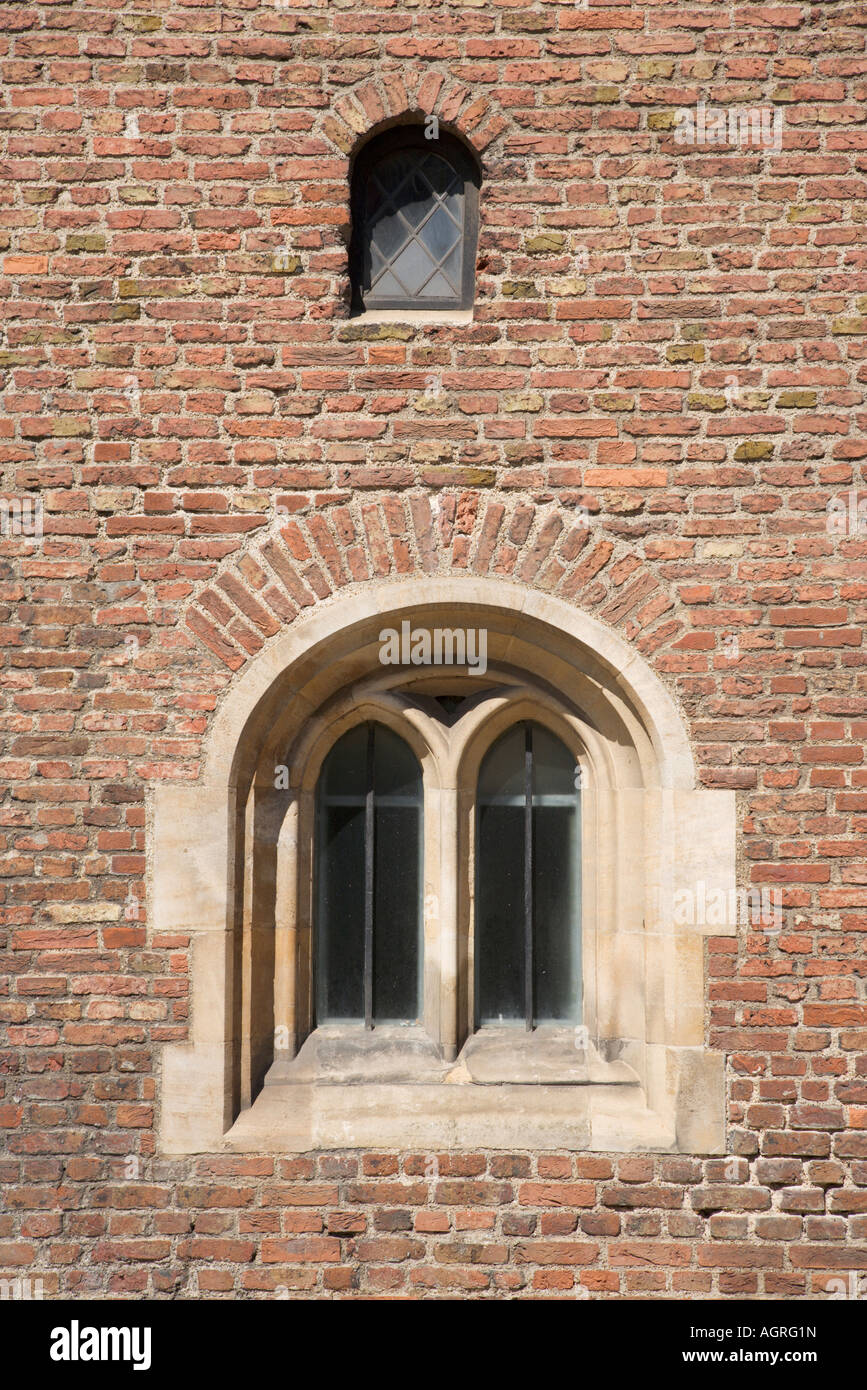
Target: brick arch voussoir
404 91
312 556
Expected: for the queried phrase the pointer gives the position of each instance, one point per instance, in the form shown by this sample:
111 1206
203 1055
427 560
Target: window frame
451 757
394 140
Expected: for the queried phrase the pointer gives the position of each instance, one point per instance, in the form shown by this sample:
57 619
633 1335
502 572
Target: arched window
415 219
367 862
528 880
410 859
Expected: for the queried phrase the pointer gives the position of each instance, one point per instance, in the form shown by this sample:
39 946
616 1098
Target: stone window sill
417 317
547 1056
507 1090
348 1055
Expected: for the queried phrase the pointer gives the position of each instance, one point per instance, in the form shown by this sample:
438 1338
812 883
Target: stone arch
199 831
257 693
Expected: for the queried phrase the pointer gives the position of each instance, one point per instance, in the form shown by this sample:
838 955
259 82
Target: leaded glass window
415 206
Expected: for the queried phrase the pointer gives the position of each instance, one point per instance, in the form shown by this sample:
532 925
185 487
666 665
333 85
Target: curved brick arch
408 91
384 557
310 556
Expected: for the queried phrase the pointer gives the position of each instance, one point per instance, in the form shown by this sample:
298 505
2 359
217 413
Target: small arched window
415 222
368 919
528 881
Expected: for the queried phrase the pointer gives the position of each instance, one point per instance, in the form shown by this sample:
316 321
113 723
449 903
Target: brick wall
659 397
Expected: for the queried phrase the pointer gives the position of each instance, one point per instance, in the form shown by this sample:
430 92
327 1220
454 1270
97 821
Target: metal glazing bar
369 833
528 878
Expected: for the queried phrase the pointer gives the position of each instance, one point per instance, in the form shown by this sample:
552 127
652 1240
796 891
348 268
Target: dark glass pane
399 180
344 772
376 197
440 175
388 235
340 913
500 913
553 766
340 878
397 876
396 953
413 197
502 772
397 770
556 879
556 915
391 171
556 899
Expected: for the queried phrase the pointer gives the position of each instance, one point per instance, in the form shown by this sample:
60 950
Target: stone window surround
644 975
